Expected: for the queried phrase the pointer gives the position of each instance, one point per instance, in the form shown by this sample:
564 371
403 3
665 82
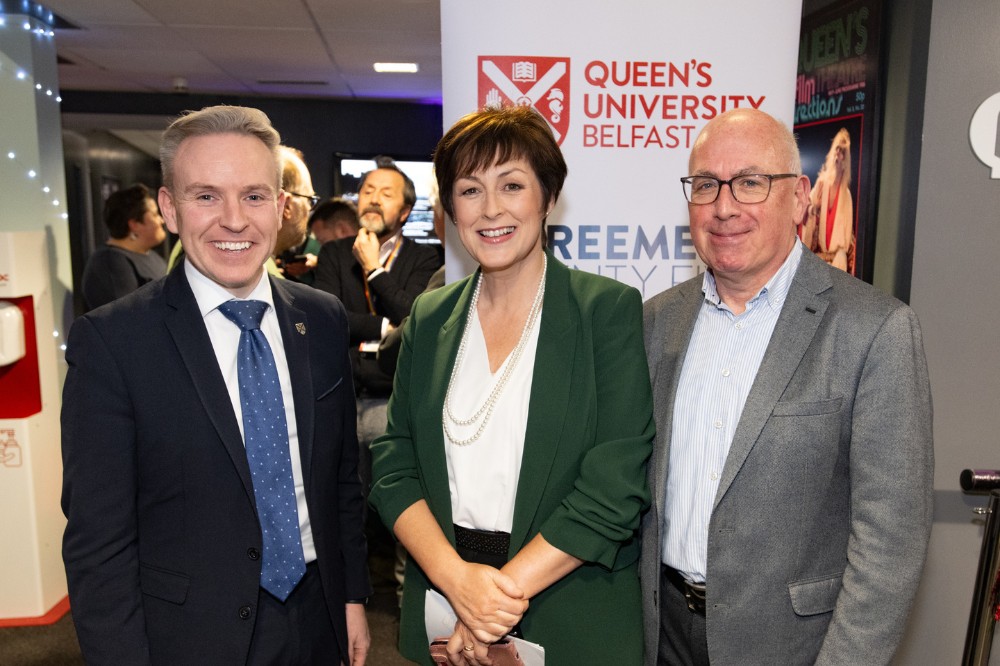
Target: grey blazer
819 529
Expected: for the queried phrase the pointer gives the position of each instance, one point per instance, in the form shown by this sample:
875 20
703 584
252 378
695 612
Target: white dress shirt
386 258
225 336
483 475
719 369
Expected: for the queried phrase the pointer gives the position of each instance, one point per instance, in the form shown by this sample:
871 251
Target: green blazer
582 482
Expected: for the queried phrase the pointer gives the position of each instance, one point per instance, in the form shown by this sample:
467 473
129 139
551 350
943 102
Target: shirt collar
776 289
386 248
210 295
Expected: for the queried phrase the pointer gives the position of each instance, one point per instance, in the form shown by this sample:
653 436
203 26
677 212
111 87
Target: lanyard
386 265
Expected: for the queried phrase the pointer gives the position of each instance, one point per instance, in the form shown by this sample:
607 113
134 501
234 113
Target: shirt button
713 476
739 326
245 612
725 372
718 424
253 554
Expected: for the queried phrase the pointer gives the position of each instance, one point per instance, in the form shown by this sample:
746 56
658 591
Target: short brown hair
333 210
222 119
494 136
123 206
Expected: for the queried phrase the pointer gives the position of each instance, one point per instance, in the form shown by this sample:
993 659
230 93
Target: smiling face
498 212
745 244
226 205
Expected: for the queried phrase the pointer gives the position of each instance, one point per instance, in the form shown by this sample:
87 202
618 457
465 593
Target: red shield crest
528 81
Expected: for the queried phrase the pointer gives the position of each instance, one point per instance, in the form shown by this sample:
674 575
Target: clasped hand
463 638
489 603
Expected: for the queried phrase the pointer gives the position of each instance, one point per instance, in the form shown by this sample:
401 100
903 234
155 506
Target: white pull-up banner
626 87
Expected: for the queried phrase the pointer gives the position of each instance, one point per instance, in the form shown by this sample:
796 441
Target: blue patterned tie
265 434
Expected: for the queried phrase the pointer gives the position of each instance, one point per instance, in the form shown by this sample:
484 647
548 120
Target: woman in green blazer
520 423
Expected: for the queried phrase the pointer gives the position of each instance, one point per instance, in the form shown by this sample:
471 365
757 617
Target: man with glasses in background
302 199
791 479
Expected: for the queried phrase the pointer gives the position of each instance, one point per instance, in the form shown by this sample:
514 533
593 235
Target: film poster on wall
837 121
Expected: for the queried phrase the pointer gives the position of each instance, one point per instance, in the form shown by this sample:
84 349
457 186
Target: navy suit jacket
162 543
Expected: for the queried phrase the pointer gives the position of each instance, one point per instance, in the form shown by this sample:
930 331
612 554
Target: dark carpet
56 645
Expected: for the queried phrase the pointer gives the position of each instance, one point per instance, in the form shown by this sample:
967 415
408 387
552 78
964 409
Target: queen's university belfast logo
542 83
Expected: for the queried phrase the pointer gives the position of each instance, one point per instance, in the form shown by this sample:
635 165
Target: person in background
329 221
514 465
388 349
334 219
792 476
376 274
127 261
214 511
302 199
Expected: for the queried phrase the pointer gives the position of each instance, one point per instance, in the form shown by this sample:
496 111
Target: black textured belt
694 593
481 541
484 547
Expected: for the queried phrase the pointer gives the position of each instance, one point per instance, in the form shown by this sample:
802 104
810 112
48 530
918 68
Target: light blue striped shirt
720 366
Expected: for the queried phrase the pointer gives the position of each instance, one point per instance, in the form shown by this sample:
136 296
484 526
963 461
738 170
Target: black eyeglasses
313 198
749 189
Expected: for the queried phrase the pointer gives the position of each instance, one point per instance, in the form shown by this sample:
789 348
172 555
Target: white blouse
483 475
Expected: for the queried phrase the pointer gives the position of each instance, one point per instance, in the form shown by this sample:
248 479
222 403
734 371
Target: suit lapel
548 406
796 326
679 316
294 326
187 328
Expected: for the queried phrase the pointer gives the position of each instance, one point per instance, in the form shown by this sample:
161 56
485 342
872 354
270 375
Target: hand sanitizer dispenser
32 578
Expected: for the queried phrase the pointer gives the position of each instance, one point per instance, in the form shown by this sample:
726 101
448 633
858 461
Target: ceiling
274 48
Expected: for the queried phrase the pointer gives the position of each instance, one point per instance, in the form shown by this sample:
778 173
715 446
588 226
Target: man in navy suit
164 546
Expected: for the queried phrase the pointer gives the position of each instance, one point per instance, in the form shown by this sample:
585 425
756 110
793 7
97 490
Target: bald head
780 141
295 180
744 244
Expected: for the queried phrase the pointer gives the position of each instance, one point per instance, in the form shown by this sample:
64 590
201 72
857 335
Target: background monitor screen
420 225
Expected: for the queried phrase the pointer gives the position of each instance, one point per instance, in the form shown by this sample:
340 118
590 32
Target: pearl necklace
485 411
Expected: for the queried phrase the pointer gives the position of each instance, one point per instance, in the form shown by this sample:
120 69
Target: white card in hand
439 618
532 654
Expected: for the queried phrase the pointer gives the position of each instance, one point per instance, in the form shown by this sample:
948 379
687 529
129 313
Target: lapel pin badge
301 328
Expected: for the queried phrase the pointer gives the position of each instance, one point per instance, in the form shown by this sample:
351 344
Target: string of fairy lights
34 18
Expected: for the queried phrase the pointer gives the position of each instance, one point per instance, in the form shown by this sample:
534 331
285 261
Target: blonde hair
222 119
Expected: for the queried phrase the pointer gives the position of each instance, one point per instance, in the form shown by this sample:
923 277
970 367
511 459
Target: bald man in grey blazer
791 479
